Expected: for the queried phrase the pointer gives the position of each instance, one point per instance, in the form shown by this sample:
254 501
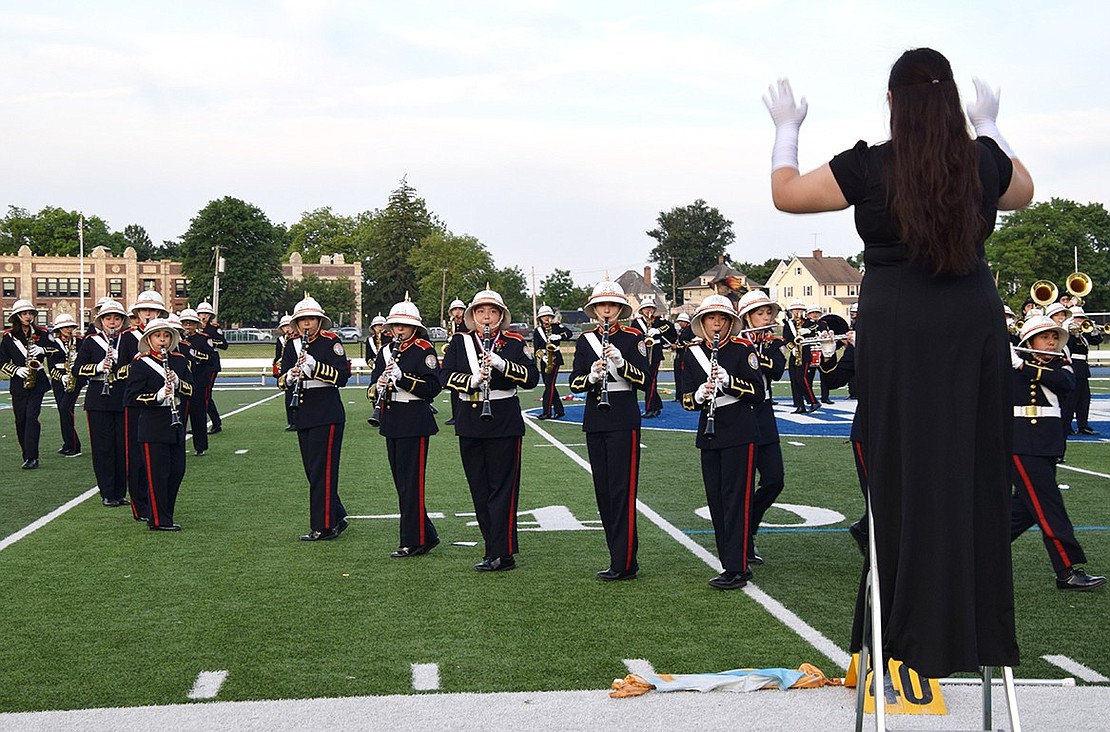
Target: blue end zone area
831 420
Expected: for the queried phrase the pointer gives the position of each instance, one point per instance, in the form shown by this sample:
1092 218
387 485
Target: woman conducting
935 427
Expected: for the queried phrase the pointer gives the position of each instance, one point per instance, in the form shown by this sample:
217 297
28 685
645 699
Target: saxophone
70 376
33 365
552 350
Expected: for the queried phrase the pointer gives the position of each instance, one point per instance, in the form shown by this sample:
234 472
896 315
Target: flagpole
81 267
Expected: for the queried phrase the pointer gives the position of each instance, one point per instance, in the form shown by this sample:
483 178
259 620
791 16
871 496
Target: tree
559 291
322 233
335 296
395 233
136 237
53 232
463 260
1040 243
251 246
692 237
512 285
758 272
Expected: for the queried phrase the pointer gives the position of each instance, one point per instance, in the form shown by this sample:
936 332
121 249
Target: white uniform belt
97 378
315 384
724 400
621 385
1079 357
404 396
1031 411
495 394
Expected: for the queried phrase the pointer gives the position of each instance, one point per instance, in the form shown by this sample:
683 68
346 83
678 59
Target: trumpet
175 418
711 410
603 400
487 345
376 416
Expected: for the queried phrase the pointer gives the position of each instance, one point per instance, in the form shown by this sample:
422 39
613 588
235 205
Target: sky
553 131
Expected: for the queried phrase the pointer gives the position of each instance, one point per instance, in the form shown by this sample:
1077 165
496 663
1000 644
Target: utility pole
219 266
443 300
674 287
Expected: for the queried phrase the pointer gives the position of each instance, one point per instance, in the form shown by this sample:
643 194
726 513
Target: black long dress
934 418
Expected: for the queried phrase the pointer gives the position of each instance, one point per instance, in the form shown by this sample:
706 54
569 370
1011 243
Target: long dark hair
933 182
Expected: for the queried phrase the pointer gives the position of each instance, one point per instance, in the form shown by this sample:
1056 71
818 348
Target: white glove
1016 361
787 116
723 377
165 394
383 383
555 338
616 358
851 338
828 348
35 350
653 332
66 380
307 366
104 366
597 372
395 373
475 381
292 375
22 372
495 361
701 396
983 113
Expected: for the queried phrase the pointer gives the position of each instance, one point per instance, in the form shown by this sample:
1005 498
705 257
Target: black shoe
63 450
124 502
858 532
773 403
497 564
753 556
170 527
109 502
612 575
799 410
31 464
1077 579
1069 432
450 421
315 535
815 406
541 416
215 428
341 526
291 428
415 551
1087 431
73 453
826 401
558 416
730 580
199 453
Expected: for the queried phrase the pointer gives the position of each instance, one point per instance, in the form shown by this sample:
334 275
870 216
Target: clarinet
106 390
603 400
175 418
376 416
487 413
711 410
295 398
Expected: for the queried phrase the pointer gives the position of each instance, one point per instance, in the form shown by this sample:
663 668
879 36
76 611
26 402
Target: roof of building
831 270
633 283
717 273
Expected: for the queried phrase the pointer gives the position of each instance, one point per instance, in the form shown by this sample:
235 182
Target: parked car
247 335
523 328
349 334
437 334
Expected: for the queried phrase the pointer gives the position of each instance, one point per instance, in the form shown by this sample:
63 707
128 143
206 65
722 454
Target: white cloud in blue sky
555 132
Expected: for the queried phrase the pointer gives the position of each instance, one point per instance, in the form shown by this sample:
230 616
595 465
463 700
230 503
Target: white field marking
1074 667
787 617
73 503
999 682
425 676
568 444
431 515
639 666
795 444
1074 469
208 684
241 452
464 543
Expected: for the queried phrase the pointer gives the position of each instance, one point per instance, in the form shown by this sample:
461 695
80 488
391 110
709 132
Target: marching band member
376 339
813 316
455 324
723 382
610 364
404 381
756 310
1041 379
157 382
201 356
104 408
682 339
285 328
211 330
314 367
65 381
23 351
484 367
1079 345
658 334
546 339
798 365
147 306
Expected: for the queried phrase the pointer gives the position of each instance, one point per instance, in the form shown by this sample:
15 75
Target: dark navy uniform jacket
520 372
667 334
320 402
539 343
407 409
216 340
90 355
624 409
144 381
735 423
12 358
772 362
1079 345
1033 434
201 354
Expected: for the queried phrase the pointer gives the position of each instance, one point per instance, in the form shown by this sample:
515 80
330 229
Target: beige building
636 288
720 279
53 284
828 282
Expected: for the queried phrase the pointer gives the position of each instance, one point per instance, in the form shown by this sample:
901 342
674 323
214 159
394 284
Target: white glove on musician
616 358
724 378
983 113
307 366
1016 361
22 372
555 338
597 372
104 366
653 332
35 350
828 348
705 391
395 373
495 361
787 116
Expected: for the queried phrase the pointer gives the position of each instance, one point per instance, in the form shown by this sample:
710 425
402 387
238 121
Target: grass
101 612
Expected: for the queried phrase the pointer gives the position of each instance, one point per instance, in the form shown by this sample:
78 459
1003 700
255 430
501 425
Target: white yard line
1074 667
785 616
425 676
208 684
1074 469
73 503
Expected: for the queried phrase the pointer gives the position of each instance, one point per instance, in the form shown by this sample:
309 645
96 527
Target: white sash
703 361
472 352
156 365
595 343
